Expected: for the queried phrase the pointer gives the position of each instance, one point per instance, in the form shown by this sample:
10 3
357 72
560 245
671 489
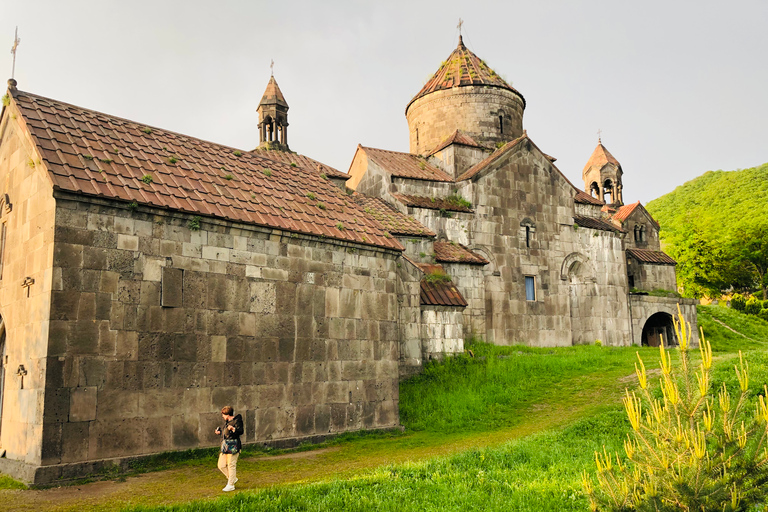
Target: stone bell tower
602 176
273 118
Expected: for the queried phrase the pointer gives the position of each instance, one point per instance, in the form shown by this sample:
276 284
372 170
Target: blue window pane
530 288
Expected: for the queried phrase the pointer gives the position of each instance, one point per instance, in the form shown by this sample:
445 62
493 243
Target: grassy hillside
715 202
497 388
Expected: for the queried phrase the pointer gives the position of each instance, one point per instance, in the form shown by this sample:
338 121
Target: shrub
738 302
688 449
763 314
753 306
437 276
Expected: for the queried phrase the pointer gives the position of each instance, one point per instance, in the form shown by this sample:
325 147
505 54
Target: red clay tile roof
301 161
593 223
463 68
600 157
623 212
91 153
652 257
273 95
458 137
584 198
406 165
395 222
438 293
431 203
451 252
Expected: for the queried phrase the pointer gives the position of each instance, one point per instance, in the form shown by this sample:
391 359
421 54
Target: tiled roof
406 165
653 257
593 223
431 203
395 222
623 212
273 95
584 198
458 137
91 153
463 68
438 293
600 157
451 252
301 161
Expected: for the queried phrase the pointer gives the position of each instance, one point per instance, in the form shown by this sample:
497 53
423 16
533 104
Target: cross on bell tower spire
15 46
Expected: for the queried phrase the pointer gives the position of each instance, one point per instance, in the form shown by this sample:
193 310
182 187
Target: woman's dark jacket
236 422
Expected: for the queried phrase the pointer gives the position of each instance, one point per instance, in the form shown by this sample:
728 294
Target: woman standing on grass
230 445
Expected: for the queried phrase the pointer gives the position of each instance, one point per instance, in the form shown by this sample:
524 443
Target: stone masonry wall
596 276
524 185
644 306
156 326
649 277
442 331
28 217
473 109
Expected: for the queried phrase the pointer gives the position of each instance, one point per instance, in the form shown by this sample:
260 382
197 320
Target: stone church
148 278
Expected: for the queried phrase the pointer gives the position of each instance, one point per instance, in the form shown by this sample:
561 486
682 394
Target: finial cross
272 68
16 42
599 136
461 22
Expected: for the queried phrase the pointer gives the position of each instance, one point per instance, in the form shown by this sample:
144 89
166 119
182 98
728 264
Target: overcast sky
678 88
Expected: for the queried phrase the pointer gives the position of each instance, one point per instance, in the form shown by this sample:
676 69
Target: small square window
530 288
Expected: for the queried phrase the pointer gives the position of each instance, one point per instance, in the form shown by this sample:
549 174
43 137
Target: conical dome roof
600 157
463 68
273 95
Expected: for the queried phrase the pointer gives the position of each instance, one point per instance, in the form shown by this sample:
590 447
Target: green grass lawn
557 405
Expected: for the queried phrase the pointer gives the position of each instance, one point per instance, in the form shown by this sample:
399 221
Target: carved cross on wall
21 372
27 283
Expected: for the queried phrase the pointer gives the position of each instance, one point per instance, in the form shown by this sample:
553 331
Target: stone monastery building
147 278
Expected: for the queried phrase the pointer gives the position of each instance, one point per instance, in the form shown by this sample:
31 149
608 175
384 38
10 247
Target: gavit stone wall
156 326
27 212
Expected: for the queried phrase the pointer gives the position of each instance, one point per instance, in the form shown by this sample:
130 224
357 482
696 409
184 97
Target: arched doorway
657 326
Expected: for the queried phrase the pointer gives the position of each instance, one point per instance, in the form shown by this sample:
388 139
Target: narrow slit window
501 124
530 288
2 248
527 236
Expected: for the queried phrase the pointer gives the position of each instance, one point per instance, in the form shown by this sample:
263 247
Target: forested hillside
716 227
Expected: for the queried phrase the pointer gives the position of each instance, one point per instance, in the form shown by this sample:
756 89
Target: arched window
642 234
501 125
637 233
528 230
608 191
594 190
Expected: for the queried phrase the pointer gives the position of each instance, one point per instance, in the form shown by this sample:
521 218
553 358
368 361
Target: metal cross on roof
461 22
599 136
16 42
272 68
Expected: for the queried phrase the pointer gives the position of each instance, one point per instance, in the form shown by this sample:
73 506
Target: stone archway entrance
657 326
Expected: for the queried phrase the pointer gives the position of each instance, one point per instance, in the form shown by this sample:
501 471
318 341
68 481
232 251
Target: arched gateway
658 327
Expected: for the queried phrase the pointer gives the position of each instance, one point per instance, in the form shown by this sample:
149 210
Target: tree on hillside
700 269
749 250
